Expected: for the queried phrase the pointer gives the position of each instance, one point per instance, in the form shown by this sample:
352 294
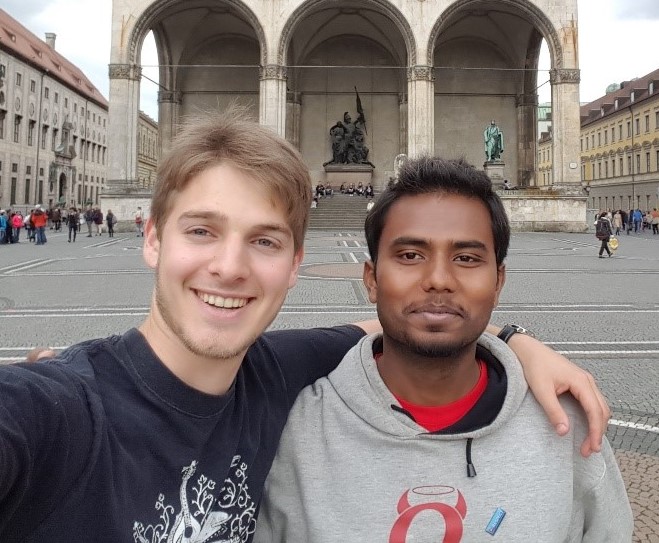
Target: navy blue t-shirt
105 444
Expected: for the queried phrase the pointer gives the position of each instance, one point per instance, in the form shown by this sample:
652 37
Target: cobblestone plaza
602 313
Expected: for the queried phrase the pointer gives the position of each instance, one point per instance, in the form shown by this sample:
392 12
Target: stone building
148 151
431 75
53 124
620 146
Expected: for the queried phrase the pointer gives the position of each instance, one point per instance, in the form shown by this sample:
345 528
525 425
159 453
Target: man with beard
167 432
428 431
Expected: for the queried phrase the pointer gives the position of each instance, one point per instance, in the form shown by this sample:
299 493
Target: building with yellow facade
619 146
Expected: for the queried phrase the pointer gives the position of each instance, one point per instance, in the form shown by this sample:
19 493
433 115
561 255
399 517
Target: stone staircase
339 212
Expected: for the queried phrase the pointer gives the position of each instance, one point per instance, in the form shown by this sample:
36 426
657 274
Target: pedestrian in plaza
97 218
89 220
139 222
110 220
17 224
432 406
74 223
617 222
56 218
29 229
603 232
655 221
171 428
637 217
39 219
4 226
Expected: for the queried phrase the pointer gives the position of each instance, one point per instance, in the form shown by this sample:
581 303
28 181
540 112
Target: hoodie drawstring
471 470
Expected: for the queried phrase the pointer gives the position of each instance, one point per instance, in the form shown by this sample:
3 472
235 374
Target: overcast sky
617 41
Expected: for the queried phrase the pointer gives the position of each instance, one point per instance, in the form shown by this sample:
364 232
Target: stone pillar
272 97
123 115
402 115
169 106
566 128
293 112
527 137
420 110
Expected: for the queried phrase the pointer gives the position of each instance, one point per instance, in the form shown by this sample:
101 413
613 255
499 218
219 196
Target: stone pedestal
494 171
338 174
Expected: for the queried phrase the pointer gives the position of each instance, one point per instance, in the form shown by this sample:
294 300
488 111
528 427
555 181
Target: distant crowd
38 220
634 220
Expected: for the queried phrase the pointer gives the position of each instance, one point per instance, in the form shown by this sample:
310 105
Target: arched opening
333 50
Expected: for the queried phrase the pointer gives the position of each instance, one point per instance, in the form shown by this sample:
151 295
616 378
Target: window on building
19 79
629 129
75 108
94 118
66 102
606 168
658 161
599 170
17 128
599 139
14 167
586 143
594 171
613 167
12 196
44 136
637 126
622 164
647 123
30 132
33 85
56 100
592 141
41 172
39 197
46 93
638 163
613 134
26 198
54 139
606 137
629 165
28 170
2 124
648 168
620 132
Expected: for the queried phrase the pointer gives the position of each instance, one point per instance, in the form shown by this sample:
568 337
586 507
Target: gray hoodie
352 469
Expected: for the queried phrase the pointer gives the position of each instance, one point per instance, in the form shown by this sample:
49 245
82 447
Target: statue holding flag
348 139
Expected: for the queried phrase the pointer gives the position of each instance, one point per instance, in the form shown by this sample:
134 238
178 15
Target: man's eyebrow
470 244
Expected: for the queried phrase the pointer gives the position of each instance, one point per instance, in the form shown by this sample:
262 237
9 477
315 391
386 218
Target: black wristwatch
509 330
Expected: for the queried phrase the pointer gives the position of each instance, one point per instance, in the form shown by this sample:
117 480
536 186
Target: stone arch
535 16
152 13
384 6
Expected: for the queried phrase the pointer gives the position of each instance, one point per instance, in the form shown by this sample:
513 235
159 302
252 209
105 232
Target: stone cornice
272 71
125 71
526 100
420 73
167 96
564 75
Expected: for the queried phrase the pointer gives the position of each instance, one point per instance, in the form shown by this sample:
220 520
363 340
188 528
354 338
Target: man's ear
151 249
370 281
297 260
501 280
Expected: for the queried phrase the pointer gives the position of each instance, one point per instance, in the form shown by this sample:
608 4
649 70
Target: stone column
566 128
272 97
123 115
169 106
420 110
527 137
293 112
402 115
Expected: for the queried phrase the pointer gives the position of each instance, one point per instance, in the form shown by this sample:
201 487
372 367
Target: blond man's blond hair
231 138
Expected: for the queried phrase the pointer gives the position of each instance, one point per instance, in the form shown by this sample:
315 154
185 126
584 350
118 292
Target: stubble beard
212 348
